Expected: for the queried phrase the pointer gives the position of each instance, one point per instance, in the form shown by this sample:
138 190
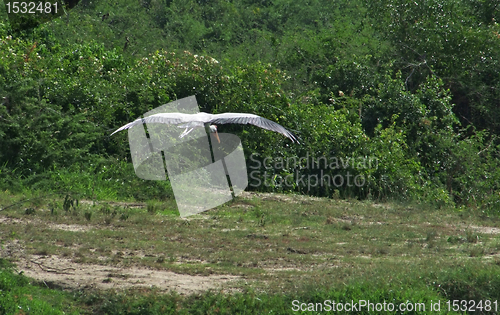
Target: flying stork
210 121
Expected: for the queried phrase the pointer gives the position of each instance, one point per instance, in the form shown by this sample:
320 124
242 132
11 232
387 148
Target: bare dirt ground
54 270
63 272
310 242
59 271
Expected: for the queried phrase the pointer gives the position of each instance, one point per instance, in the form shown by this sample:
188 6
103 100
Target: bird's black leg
228 178
207 129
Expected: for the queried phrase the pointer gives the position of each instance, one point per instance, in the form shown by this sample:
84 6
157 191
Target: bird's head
213 129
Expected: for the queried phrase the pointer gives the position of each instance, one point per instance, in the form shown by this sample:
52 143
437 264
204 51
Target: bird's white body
199 120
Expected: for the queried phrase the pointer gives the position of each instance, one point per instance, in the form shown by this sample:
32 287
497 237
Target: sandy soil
63 272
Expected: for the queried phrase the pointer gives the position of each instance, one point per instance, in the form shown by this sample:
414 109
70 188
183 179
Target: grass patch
283 250
20 295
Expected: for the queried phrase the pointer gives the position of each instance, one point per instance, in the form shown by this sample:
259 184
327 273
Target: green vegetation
20 296
353 80
401 94
303 249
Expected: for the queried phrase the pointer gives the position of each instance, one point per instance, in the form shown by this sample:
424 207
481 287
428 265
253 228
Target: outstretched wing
251 119
169 118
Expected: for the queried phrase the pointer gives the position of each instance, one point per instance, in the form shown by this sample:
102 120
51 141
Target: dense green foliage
410 86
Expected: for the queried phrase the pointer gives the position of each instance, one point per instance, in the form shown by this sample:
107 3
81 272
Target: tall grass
103 179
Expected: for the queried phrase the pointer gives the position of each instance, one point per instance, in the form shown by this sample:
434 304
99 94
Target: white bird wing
169 118
251 119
